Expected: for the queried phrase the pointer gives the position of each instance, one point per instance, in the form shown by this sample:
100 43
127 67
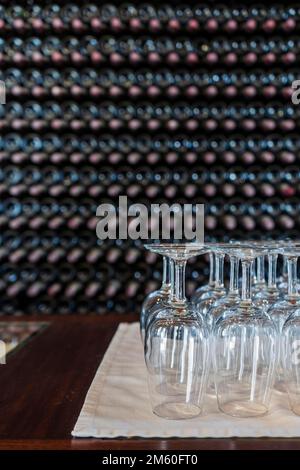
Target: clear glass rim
242 249
291 250
184 251
177 250
288 248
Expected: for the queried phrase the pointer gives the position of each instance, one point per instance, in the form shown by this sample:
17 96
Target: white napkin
117 403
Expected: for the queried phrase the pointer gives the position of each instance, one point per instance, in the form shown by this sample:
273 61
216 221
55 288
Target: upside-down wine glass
245 350
156 298
204 302
167 303
281 310
290 340
177 345
232 298
267 297
284 307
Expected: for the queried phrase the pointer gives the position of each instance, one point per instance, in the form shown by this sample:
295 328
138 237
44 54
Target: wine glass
167 303
281 310
205 301
245 349
232 298
291 359
177 345
287 316
265 298
156 298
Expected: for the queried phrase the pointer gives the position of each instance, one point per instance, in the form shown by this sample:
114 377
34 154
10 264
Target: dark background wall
164 101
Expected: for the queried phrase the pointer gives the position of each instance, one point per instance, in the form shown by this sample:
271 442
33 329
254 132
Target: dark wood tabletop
44 383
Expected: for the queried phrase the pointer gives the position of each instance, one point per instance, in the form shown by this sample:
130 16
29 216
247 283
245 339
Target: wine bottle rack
187 101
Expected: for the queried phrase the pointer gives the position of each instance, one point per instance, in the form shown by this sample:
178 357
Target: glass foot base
177 410
243 409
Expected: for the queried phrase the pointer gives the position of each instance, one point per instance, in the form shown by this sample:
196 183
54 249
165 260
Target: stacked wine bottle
162 102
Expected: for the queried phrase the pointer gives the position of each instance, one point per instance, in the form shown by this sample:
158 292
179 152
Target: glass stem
292 276
285 268
272 271
219 282
234 275
260 269
247 266
254 274
166 280
172 279
211 281
179 267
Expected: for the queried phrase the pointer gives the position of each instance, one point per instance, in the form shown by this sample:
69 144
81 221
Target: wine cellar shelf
164 101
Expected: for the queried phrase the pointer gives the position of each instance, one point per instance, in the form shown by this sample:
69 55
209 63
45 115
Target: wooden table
43 386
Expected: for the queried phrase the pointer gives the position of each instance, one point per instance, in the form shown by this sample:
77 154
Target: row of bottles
75 116
266 218
163 83
148 183
144 143
164 102
134 159
133 18
89 49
